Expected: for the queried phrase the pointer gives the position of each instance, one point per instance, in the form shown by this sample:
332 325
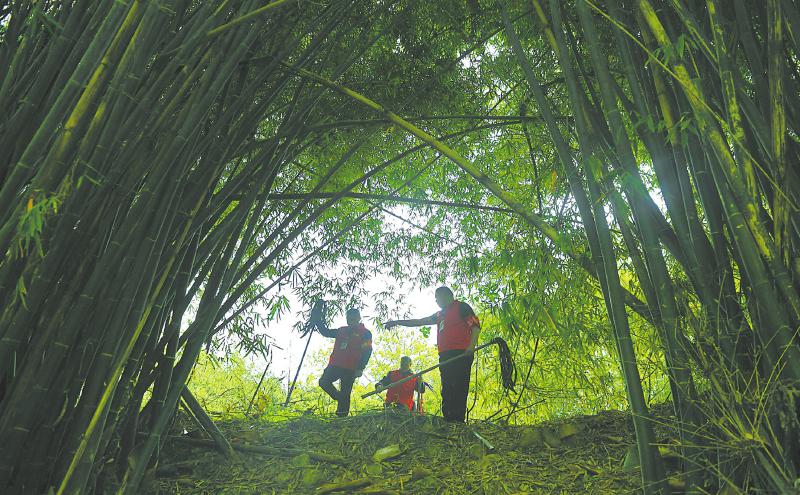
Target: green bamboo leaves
730 183
120 152
150 153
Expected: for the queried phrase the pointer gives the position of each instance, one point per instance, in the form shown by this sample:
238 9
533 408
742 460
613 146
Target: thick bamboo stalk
732 106
651 468
89 62
746 226
678 366
781 204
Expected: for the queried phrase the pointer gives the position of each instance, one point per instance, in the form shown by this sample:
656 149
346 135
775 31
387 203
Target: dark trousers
455 385
342 396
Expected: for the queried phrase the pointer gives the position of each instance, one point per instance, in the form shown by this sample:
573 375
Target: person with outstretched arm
351 352
402 395
457 333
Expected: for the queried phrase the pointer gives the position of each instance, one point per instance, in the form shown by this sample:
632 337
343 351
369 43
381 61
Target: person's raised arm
415 322
325 331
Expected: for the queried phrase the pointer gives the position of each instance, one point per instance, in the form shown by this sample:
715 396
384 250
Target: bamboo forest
400 247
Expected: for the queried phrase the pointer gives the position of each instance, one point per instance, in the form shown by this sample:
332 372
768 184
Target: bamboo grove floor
313 455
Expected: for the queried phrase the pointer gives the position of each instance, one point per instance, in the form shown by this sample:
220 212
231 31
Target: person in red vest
401 395
351 352
457 333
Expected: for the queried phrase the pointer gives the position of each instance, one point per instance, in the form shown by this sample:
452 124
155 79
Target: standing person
401 395
458 330
351 352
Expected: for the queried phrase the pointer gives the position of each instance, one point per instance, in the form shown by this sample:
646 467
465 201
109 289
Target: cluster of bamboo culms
139 142
704 96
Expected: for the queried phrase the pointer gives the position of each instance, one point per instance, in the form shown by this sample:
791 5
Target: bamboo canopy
143 146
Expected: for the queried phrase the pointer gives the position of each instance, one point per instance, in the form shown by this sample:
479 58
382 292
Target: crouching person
402 395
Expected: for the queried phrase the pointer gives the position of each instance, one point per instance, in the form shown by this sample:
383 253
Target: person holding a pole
457 333
401 395
351 352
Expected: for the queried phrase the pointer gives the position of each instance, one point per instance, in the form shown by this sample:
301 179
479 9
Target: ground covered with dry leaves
388 453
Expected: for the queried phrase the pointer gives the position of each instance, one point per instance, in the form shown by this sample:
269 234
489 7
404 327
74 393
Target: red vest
403 393
349 346
454 331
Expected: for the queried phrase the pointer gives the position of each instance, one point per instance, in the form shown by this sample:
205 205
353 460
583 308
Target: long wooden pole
291 387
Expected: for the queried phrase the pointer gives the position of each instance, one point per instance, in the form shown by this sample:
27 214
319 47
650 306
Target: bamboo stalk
753 236
207 424
678 366
775 54
651 468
